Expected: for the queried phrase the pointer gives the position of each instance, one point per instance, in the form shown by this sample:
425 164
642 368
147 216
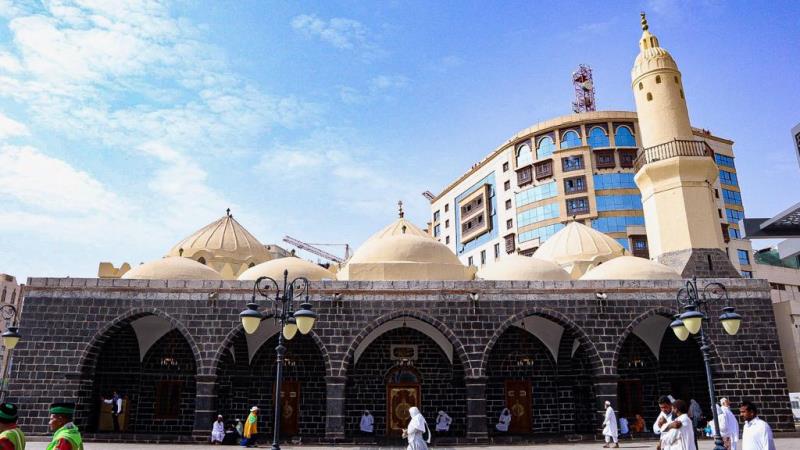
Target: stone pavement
792 443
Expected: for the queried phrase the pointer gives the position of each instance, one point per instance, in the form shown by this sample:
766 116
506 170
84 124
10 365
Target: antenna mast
583 83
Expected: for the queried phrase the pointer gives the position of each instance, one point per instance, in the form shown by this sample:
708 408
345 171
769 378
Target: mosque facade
405 323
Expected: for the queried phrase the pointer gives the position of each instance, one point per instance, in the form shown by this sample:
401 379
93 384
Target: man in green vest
11 437
65 433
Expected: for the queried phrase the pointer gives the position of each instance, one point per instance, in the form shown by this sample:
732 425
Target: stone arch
584 342
458 347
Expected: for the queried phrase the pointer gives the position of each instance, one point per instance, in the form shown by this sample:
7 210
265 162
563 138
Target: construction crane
583 83
319 252
429 195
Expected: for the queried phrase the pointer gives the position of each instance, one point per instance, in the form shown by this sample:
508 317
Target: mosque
405 322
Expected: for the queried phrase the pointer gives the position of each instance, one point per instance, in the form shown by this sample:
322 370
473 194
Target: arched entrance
404 363
151 366
246 378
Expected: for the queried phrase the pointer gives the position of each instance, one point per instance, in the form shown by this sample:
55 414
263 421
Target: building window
570 139
483 257
777 286
734 233
626 158
436 216
658 79
510 245
744 257
524 156
577 206
524 175
598 137
534 194
723 160
508 204
719 211
447 223
751 276
614 181
604 159
728 178
446 207
572 163
733 215
496 250
641 86
543 233
617 224
676 79
436 230
543 169
747 274
732 197
640 246
447 239
545 147
619 202
623 137
575 185
509 224
470 262
538 214
649 96
507 185
505 167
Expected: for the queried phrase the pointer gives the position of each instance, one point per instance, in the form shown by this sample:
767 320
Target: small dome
172 268
523 268
631 268
402 251
297 267
577 248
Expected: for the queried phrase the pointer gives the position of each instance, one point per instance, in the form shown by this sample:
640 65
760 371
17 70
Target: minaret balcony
672 149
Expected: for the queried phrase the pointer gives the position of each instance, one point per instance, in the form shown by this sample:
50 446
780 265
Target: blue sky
125 126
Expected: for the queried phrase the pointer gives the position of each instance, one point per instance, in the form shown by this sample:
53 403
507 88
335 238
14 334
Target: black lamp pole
289 320
10 339
694 303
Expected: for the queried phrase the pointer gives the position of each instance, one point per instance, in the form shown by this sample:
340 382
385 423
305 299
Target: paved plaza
792 443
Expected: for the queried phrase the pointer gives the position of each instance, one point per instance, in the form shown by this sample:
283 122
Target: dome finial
228 212
644 21
400 209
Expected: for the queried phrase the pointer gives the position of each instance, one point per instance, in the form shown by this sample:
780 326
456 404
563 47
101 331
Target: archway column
605 388
205 404
334 411
476 408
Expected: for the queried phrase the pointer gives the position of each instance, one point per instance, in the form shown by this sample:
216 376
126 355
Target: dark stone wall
66 323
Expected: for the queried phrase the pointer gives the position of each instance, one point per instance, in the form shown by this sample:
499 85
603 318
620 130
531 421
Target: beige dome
631 268
297 267
577 248
523 268
401 251
172 268
224 245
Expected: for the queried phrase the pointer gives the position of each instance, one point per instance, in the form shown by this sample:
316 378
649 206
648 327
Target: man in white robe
417 427
443 422
218 431
504 421
728 425
684 439
610 430
367 422
757 434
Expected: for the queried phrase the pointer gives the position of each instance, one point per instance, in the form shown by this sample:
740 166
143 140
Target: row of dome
402 251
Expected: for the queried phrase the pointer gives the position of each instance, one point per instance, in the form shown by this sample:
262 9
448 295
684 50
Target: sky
127 125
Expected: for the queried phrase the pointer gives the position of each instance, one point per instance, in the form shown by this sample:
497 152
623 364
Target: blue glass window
570 139
572 163
744 257
723 160
436 230
616 224
524 156
614 181
624 243
618 202
728 178
543 233
534 194
624 138
598 137
538 214
733 215
732 197
734 233
747 274
436 216
545 148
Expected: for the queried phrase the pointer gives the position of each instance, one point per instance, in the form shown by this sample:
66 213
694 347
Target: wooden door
629 398
518 401
399 398
290 408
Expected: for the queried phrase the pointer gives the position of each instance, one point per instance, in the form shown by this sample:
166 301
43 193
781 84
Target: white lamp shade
289 330
305 323
731 326
10 341
250 324
681 332
693 324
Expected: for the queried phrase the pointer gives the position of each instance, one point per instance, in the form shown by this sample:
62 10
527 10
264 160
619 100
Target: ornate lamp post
10 339
290 320
695 306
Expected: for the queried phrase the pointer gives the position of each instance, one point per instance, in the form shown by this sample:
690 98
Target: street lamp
290 322
10 340
691 321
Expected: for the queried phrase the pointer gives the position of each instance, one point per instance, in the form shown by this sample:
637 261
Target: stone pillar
605 388
334 416
476 408
205 406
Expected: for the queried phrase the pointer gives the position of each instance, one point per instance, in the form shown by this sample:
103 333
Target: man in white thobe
757 434
728 425
684 440
504 421
218 431
610 430
443 422
367 422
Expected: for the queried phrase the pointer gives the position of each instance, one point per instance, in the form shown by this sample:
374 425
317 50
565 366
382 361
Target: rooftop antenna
400 209
583 83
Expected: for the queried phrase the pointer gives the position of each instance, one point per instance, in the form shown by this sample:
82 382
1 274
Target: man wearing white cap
610 430
218 431
250 428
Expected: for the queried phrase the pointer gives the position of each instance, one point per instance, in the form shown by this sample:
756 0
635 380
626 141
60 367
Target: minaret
676 172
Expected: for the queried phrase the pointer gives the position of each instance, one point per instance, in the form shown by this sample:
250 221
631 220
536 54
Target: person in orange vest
250 428
11 437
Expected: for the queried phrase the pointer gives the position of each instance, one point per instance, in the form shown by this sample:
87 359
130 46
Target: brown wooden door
399 398
518 401
629 398
290 408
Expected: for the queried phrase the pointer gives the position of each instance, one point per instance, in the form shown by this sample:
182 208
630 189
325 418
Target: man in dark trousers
116 409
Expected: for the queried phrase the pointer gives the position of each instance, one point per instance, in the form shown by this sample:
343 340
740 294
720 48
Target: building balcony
672 149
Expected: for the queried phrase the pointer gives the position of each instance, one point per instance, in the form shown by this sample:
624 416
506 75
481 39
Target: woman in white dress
504 421
416 429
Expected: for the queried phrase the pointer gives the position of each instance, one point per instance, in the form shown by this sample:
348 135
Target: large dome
523 268
224 245
172 268
401 251
631 268
296 267
577 248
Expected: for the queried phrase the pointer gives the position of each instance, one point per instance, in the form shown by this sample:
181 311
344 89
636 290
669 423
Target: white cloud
10 128
340 32
386 82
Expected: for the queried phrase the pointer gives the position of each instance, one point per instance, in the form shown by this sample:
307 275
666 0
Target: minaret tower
676 171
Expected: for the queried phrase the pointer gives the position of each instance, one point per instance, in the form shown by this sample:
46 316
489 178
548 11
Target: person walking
685 438
65 434
415 432
11 437
250 428
757 434
728 425
610 430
